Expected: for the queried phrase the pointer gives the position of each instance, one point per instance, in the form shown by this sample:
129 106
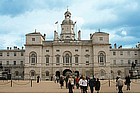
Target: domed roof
67 21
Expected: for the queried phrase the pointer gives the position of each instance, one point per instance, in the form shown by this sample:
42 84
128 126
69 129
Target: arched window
47 73
101 58
32 74
67 58
33 58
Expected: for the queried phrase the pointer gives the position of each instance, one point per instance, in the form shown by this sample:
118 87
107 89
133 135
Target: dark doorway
57 73
67 72
76 73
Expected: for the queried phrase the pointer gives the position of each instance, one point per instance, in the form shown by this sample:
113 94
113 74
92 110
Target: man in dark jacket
127 82
92 84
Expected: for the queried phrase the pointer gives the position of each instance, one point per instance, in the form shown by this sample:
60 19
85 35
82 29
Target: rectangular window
7 62
76 60
114 53
114 62
22 53
0 53
21 62
14 62
121 62
136 61
101 38
121 52
57 60
129 61
135 52
33 60
47 50
15 53
76 50
33 39
47 60
7 53
57 50
87 62
87 50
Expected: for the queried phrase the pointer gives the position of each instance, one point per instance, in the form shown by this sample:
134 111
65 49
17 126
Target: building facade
68 53
12 63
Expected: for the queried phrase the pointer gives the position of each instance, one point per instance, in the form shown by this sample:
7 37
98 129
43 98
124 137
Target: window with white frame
121 62
129 61
102 58
114 53
7 53
114 62
33 58
7 62
47 59
76 59
57 59
67 58
121 52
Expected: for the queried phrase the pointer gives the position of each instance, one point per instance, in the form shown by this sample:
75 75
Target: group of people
120 83
81 83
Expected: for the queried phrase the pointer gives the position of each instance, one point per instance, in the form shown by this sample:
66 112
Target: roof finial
67 8
35 30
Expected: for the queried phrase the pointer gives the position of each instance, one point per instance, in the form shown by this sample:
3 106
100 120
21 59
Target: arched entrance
77 73
67 72
57 73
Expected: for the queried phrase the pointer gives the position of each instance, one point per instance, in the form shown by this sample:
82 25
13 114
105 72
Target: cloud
17 7
119 18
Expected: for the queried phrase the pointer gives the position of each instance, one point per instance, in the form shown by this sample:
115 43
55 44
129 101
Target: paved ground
52 87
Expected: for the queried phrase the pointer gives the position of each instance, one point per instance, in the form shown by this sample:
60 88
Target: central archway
67 72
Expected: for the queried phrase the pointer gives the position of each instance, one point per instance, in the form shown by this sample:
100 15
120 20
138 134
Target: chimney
115 46
7 48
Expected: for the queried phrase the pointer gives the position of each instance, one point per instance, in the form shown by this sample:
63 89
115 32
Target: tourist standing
70 84
127 82
80 84
84 84
38 78
92 84
61 81
77 82
119 84
97 85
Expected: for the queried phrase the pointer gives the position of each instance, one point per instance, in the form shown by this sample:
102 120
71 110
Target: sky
119 18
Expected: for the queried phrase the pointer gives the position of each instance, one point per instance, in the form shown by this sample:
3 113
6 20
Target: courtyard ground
25 86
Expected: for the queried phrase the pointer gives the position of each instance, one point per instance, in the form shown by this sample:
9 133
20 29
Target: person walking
61 81
127 82
38 78
70 84
119 84
92 84
80 84
97 85
77 82
84 84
